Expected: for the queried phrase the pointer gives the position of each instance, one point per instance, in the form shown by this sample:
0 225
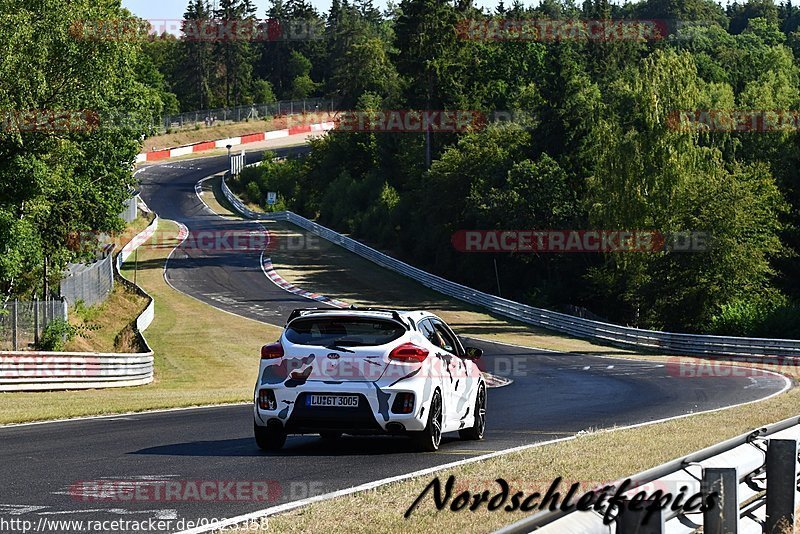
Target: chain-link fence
22 322
214 117
92 283
579 311
130 211
88 283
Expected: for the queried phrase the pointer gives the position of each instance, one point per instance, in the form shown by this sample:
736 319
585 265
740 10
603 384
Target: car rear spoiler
300 312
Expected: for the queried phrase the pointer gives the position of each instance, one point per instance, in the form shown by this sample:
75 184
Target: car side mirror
473 353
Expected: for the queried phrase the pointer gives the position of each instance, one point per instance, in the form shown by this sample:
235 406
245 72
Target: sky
174 9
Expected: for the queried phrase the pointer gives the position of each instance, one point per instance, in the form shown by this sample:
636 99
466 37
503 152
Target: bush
86 313
56 334
773 316
271 175
782 322
60 332
263 92
252 193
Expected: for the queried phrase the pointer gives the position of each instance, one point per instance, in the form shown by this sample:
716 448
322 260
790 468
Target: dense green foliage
593 143
597 148
66 177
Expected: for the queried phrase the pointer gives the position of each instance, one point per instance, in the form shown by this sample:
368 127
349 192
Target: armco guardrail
697 345
146 317
39 371
753 479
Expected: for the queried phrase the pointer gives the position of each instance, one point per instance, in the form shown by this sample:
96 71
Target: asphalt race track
553 395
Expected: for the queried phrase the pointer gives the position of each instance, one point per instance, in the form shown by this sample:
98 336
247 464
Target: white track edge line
727 363
123 414
378 483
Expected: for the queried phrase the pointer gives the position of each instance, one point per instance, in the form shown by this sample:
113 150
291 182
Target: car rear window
343 331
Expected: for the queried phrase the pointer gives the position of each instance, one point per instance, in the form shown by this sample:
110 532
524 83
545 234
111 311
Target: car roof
375 313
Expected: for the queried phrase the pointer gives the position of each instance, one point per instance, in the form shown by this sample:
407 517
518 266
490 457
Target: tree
365 67
653 176
741 14
69 176
263 92
194 78
235 49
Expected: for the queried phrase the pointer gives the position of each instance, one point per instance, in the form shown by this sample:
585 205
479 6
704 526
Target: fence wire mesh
22 322
212 117
90 284
129 211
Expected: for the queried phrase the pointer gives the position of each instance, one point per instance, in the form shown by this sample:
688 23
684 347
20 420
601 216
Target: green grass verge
195 134
202 356
108 326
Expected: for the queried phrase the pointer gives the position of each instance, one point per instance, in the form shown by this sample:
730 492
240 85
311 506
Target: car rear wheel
429 439
269 438
475 432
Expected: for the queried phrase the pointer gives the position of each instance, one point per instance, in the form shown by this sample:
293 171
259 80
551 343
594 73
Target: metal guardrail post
36 321
110 263
724 517
781 486
631 521
14 325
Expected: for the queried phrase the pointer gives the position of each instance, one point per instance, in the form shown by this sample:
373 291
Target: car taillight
403 403
408 352
270 352
266 399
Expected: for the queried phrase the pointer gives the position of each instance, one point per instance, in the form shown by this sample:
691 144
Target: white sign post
272 198
238 163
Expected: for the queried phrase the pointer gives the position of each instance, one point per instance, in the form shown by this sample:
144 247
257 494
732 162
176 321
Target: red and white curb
494 381
275 278
158 155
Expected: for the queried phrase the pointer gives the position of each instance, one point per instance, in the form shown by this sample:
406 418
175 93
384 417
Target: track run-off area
552 396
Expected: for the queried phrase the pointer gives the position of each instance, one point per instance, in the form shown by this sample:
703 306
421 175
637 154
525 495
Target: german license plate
333 401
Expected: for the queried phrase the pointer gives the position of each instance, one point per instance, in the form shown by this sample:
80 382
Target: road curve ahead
553 395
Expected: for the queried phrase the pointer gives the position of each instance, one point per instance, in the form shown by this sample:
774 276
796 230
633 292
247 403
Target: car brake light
403 403
270 352
408 352
266 400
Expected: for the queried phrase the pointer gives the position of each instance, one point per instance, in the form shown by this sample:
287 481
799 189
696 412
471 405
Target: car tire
269 439
429 439
330 436
476 431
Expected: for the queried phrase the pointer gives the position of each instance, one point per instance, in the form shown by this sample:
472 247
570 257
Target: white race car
368 371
